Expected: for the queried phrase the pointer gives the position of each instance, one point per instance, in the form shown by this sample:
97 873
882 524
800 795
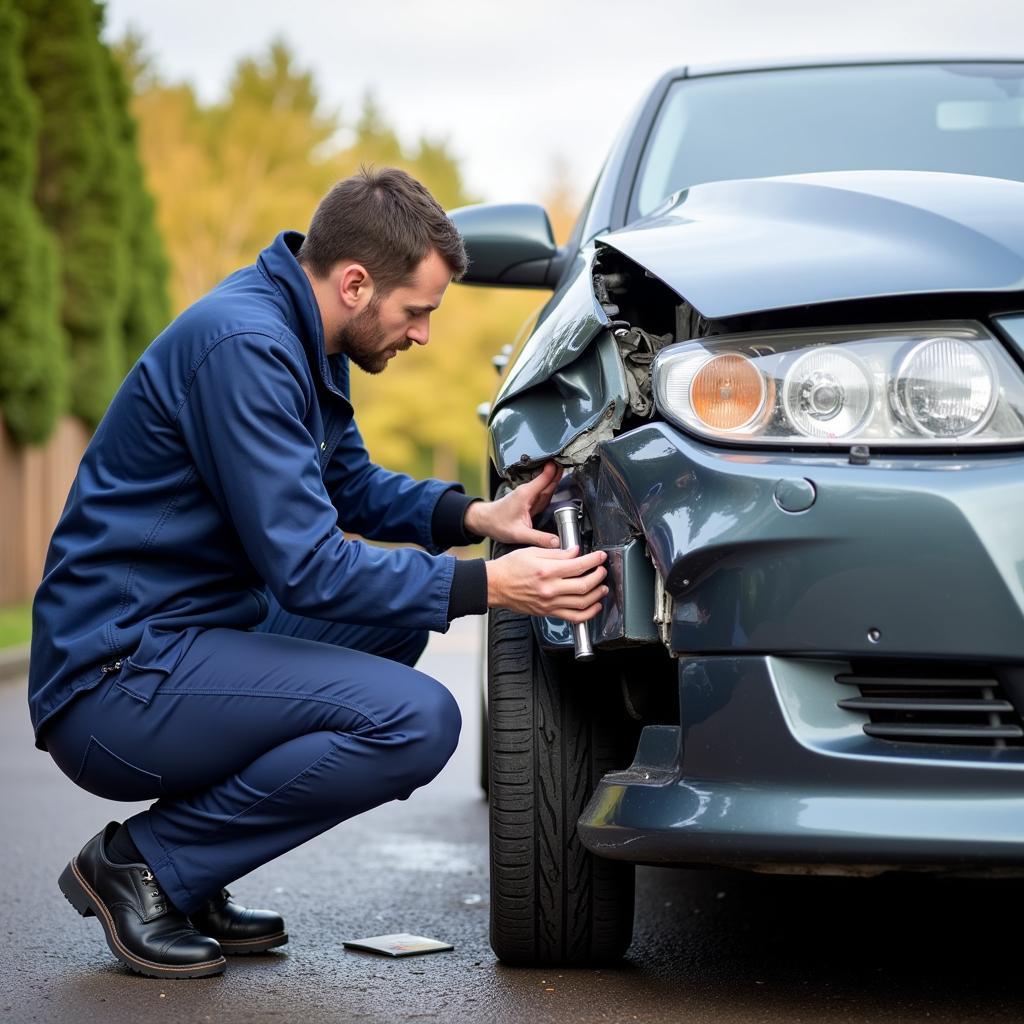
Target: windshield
964 118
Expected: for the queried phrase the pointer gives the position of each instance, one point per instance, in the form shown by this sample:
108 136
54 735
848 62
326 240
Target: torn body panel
594 382
575 320
565 415
582 373
844 630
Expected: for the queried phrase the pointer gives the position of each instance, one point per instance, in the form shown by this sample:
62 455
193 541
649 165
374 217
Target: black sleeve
447 521
468 595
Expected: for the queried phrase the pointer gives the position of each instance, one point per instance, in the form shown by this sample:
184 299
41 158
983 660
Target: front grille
934 708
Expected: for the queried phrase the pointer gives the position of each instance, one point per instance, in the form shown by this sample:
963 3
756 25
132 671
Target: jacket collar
278 262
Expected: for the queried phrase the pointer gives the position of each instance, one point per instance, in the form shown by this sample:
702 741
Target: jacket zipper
112 668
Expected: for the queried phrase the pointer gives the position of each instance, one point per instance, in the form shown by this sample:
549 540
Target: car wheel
555 727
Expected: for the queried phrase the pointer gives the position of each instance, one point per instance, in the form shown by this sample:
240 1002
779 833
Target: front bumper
766 771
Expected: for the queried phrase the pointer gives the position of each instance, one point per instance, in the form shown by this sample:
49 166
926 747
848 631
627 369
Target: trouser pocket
105 774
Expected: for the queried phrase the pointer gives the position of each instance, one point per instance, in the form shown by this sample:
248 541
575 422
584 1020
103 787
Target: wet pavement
709 946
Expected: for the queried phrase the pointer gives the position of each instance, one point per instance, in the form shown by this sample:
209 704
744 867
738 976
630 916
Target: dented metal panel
907 557
627 615
736 247
558 339
568 412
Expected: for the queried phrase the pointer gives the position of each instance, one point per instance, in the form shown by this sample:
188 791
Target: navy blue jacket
228 460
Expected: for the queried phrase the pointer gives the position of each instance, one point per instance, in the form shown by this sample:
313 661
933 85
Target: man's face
391 324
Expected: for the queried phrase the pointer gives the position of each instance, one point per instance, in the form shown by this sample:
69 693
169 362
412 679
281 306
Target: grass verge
15 624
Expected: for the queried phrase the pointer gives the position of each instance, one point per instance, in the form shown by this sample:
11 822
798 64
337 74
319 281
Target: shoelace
150 879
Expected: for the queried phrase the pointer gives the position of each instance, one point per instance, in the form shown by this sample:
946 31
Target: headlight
827 393
945 388
933 384
726 392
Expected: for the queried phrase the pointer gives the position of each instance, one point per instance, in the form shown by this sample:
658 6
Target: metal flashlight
567 519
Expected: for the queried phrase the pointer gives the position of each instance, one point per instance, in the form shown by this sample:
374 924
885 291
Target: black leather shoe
237 929
144 930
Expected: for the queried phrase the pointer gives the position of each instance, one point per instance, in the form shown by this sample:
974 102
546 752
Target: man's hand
510 518
543 582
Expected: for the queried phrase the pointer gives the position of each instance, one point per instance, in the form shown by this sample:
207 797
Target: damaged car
783 368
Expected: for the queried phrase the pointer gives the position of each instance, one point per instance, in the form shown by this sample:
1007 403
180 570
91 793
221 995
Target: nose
420 335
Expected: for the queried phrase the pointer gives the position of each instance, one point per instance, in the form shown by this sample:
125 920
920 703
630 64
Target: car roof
724 67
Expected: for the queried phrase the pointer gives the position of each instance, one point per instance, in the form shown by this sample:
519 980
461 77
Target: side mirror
509 244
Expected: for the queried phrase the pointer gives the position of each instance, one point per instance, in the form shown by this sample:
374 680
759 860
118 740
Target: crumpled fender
569 412
567 387
560 337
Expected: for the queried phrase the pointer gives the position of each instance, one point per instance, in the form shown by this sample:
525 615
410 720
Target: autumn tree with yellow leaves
229 175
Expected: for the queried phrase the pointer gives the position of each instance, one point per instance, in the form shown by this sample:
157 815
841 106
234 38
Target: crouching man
206 636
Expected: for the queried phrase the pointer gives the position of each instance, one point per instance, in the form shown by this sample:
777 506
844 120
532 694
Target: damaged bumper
905 557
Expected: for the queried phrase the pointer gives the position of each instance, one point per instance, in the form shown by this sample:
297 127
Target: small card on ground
400 944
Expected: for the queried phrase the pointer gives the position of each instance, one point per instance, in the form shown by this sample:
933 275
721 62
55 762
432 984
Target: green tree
228 176
33 370
147 306
81 189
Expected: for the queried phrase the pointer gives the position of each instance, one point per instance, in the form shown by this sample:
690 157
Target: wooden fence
34 484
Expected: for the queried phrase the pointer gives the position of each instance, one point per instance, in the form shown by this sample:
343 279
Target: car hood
736 247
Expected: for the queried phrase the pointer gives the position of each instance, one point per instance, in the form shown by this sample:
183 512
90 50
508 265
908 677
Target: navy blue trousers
259 741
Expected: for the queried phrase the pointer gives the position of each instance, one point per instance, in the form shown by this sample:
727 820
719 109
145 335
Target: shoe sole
81 896
245 947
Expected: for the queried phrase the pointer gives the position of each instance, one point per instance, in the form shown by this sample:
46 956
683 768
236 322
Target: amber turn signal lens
727 392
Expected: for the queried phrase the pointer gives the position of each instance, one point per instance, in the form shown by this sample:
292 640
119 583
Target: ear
354 287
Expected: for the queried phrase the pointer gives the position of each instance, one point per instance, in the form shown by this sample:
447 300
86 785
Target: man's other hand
510 518
541 581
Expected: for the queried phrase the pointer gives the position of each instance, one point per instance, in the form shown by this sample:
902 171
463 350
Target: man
204 633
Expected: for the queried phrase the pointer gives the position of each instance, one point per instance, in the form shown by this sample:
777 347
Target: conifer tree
33 357
81 189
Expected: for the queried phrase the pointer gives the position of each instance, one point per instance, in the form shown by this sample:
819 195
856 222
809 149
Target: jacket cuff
447 522
468 595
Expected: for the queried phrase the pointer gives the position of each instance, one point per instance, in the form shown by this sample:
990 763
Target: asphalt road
710 946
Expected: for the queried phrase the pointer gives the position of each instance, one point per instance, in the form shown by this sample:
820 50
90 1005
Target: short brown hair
385 220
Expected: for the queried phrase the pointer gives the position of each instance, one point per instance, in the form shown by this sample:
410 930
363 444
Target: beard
363 340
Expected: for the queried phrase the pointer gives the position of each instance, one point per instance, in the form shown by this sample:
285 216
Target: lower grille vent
935 709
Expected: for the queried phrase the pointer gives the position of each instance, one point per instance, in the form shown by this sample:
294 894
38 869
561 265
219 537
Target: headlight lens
827 393
945 388
725 392
933 384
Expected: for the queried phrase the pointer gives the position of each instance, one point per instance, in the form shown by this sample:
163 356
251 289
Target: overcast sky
516 86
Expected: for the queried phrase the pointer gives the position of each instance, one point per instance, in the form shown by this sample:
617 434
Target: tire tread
550 741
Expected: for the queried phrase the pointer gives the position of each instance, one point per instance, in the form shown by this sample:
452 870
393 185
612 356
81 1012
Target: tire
555 727
485 757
